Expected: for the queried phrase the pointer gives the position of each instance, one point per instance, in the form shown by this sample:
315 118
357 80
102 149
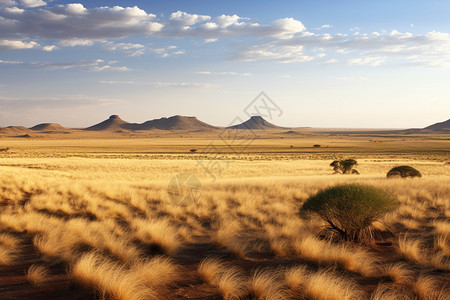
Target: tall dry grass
101 217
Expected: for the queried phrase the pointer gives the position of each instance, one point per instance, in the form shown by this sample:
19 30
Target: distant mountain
172 123
49 127
113 123
255 123
291 132
439 126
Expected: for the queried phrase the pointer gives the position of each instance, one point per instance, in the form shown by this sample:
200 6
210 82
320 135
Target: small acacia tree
344 166
350 209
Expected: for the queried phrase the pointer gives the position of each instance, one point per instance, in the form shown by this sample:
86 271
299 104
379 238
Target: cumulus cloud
16 45
32 3
23 26
74 21
184 19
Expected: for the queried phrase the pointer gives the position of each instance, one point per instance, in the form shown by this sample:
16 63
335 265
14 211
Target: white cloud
331 61
76 42
32 3
370 49
11 62
16 45
129 49
223 73
108 68
6 3
283 40
166 51
367 61
183 19
49 48
272 51
225 21
352 78
87 65
161 84
74 21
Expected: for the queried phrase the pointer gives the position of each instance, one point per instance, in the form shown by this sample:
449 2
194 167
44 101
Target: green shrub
350 209
404 172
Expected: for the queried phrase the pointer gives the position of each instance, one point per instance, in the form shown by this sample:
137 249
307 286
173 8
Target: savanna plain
91 218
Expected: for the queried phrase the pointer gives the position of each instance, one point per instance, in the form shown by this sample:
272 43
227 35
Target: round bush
350 209
404 172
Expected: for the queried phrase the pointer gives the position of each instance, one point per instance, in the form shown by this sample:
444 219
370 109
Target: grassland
91 218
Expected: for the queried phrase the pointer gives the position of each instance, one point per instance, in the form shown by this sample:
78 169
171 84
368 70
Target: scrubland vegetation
106 227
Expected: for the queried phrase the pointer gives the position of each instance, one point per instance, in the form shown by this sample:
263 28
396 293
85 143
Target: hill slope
49 127
113 123
255 123
439 126
14 129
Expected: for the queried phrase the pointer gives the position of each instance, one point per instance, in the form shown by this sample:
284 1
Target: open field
91 218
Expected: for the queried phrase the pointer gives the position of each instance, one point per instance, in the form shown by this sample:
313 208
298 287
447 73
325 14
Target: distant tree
4 149
344 166
350 209
403 172
316 146
193 150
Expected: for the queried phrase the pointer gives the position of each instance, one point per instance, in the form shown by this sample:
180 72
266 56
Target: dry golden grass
328 253
9 240
442 243
325 285
158 232
229 280
267 284
410 248
428 287
111 279
391 292
7 255
100 209
38 275
399 272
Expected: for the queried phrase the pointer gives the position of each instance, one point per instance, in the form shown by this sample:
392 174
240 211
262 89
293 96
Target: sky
342 64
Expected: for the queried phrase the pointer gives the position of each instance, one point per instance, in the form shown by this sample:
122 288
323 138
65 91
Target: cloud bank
36 24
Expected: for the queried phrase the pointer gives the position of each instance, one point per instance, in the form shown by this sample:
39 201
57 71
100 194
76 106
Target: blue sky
365 64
